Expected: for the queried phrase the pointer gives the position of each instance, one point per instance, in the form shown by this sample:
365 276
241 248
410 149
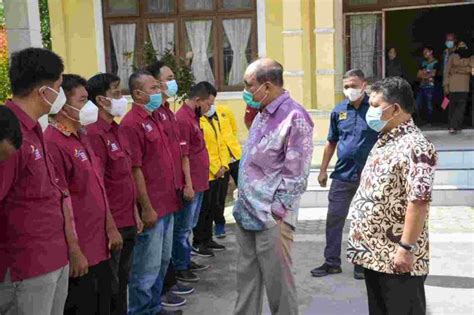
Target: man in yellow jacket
229 133
203 244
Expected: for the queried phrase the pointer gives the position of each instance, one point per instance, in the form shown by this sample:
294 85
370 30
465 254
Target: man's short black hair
100 84
396 90
134 80
10 127
430 48
270 73
32 67
72 81
155 68
354 73
202 90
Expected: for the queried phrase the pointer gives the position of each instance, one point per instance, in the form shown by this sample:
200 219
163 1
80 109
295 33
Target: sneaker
219 231
215 246
165 312
359 272
186 276
325 270
172 300
202 251
181 289
194 266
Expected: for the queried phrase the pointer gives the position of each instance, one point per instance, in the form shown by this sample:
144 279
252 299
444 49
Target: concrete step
447 176
443 195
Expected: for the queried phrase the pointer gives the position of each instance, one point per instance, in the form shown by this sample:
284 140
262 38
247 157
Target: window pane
237 49
198 5
123 41
161 6
237 4
162 37
199 44
124 7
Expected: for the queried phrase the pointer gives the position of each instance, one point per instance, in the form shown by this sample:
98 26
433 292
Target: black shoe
325 270
194 267
202 251
215 246
186 276
181 289
172 300
359 272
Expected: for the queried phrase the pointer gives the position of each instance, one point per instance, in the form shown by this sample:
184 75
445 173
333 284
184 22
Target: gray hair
354 73
270 72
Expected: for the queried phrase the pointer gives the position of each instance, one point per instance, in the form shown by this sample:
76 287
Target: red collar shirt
32 239
171 129
78 170
115 163
150 151
194 146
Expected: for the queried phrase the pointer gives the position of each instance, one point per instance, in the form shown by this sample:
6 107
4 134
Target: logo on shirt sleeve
147 127
80 154
36 152
342 115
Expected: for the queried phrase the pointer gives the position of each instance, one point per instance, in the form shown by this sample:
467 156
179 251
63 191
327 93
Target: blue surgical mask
154 103
248 99
449 44
374 118
211 111
172 88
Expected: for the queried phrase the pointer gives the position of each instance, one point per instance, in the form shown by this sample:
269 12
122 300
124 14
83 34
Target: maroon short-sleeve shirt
150 152
115 163
32 239
194 146
170 126
78 170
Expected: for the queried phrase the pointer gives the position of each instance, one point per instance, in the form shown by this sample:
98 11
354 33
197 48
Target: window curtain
238 33
236 4
161 6
162 37
197 5
123 37
199 35
363 40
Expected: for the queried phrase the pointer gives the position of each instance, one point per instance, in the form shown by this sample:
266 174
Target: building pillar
293 49
23 24
326 63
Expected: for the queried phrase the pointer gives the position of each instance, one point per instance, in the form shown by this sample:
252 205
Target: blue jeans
425 98
184 221
151 257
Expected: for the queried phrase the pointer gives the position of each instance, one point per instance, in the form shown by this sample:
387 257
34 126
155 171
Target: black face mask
463 52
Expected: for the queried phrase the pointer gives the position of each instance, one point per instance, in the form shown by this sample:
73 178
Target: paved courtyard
449 288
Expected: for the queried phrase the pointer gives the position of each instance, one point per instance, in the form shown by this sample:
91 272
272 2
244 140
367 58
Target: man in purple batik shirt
273 175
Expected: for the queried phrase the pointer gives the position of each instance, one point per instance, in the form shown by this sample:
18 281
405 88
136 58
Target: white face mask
118 107
211 111
353 94
88 114
58 102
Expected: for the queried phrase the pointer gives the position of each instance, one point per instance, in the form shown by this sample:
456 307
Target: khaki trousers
265 261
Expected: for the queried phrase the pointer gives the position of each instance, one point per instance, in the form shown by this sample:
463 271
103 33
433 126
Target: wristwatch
408 247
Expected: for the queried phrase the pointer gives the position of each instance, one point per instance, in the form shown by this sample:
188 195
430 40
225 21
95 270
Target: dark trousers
424 99
210 203
390 294
121 263
456 109
234 172
340 198
92 293
170 278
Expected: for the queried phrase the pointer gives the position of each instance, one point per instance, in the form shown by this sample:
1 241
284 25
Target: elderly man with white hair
273 175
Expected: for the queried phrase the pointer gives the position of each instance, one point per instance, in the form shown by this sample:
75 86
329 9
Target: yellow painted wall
73 35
